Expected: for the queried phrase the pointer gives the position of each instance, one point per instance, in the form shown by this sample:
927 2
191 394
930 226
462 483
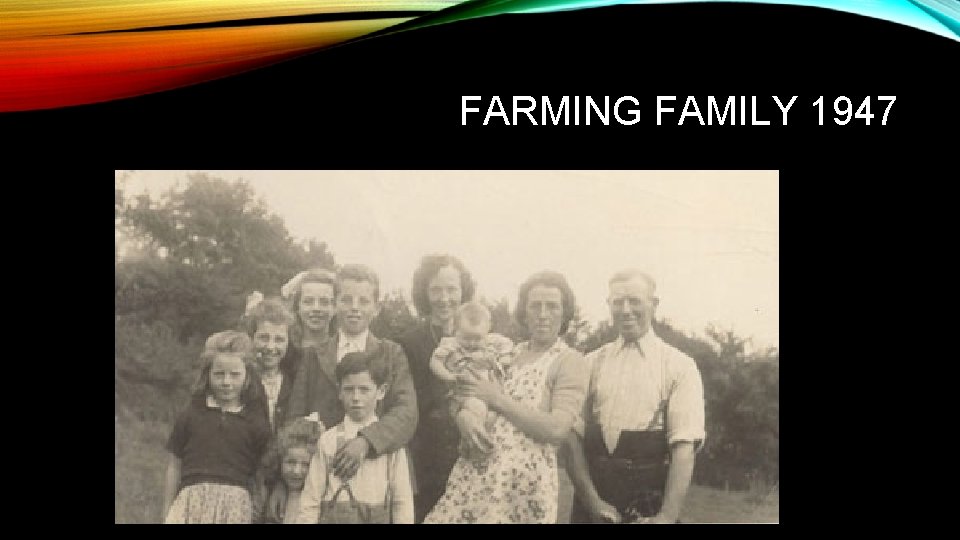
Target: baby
473 348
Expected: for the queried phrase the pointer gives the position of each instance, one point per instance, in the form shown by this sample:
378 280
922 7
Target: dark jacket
289 367
315 390
418 344
435 445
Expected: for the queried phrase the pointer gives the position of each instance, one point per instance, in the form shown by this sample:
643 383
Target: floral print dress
518 482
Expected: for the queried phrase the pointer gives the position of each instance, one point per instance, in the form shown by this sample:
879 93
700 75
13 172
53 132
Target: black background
857 202
394 101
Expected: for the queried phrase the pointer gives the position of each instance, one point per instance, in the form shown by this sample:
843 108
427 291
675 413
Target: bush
185 263
154 372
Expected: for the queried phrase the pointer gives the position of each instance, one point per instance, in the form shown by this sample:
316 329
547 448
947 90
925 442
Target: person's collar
644 343
360 339
557 345
212 403
273 382
275 376
350 426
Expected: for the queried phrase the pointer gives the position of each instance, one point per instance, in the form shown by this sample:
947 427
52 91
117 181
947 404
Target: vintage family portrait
420 347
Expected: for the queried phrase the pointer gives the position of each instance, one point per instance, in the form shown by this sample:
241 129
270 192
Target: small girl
218 441
290 459
473 348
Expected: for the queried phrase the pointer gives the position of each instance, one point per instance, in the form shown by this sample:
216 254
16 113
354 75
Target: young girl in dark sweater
219 439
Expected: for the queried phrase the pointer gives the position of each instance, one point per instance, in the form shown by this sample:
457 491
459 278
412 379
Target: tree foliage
185 262
503 322
395 317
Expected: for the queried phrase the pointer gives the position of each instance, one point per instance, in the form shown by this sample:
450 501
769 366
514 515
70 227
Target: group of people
305 416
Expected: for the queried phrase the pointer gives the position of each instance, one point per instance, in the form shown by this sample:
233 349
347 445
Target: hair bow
291 287
253 300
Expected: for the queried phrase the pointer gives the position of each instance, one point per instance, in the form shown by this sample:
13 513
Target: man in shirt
643 421
315 390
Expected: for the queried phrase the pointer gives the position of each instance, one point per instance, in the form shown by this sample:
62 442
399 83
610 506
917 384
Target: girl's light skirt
211 503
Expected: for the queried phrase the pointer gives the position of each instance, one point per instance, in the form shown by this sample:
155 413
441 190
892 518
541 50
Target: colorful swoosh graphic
59 53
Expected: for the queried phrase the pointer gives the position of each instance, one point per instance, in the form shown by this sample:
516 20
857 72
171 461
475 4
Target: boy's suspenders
391 465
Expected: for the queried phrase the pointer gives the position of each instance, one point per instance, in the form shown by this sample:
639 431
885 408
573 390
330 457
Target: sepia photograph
470 347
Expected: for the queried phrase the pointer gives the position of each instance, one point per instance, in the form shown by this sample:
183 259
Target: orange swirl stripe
62 53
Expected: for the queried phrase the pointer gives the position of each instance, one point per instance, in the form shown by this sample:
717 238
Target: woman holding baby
535 406
441 284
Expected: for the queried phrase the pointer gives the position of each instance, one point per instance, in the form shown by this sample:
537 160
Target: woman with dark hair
440 285
543 391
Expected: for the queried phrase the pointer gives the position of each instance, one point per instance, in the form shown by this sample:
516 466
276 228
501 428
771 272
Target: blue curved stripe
941 17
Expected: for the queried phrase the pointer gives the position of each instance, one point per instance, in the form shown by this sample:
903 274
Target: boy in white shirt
380 491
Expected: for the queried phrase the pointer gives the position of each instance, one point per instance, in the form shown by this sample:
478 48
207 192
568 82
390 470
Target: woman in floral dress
543 392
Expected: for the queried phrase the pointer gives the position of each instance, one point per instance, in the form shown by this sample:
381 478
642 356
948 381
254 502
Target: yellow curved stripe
57 71
120 52
25 18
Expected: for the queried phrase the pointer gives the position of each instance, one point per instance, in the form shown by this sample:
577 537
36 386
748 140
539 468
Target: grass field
708 505
141 461
141 464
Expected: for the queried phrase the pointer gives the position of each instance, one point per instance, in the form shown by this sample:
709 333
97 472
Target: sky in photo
709 238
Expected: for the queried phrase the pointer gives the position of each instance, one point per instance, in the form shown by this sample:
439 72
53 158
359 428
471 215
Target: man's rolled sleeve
685 410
